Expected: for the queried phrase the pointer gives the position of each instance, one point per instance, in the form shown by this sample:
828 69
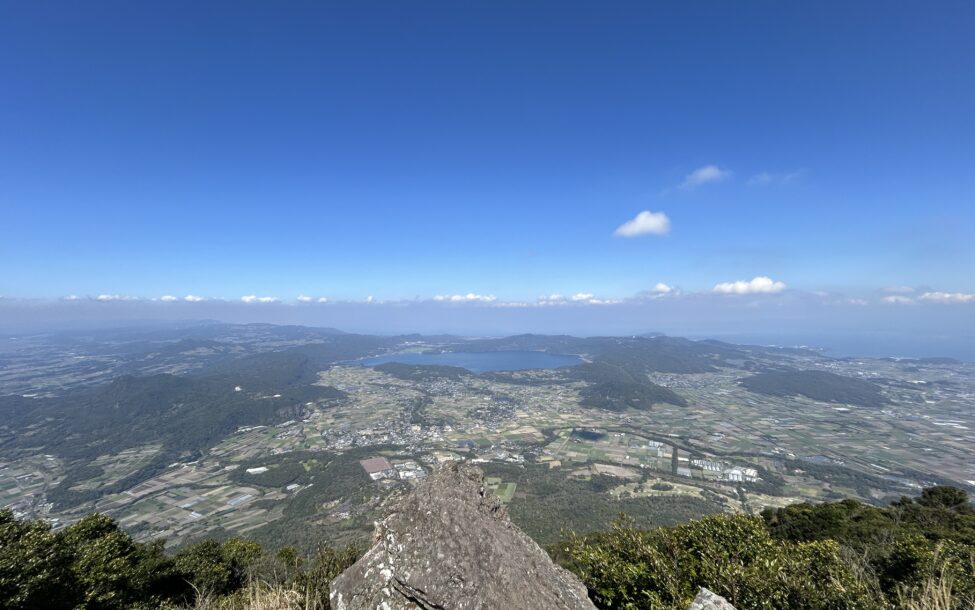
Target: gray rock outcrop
706 600
449 545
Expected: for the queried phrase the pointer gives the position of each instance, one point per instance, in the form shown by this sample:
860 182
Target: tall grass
939 591
935 593
260 595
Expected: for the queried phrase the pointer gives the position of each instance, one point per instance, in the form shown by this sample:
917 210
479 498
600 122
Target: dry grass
937 592
257 596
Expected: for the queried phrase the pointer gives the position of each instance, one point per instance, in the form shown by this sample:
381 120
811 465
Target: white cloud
757 285
660 290
71 297
948 297
256 299
645 223
192 298
470 297
307 299
168 298
768 179
552 299
855 301
115 297
704 175
898 300
579 298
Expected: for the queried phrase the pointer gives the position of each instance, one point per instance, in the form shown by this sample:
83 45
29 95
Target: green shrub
734 556
35 568
94 565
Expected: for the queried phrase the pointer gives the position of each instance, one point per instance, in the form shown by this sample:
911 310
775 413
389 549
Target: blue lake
481 362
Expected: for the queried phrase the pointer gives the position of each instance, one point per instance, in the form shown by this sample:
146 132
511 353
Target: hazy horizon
495 169
868 335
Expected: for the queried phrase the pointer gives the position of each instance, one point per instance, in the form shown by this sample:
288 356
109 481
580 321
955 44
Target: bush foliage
913 554
94 565
833 556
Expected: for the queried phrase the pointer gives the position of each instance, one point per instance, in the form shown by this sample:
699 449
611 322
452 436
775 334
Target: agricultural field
277 424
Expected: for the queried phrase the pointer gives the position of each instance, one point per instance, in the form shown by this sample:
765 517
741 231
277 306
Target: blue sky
404 150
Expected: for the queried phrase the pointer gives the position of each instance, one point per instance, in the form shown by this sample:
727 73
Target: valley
261 431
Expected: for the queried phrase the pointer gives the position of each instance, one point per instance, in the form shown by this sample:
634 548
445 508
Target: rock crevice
449 545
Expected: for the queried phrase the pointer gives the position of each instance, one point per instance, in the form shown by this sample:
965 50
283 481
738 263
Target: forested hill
183 414
617 388
645 354
817 385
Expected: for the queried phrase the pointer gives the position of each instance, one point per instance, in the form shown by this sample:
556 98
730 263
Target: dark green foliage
837 556
602 483
217 568
62 496
734 556
825 557
35 568
817 385
547 503
768 482
82 473
423 372
665 354
313 576
417 405
942 496
620 396
588 435
841 476
643 354
862 526
93 565
848 521
617 388
333 477
90 565
298 366
902 544
106 563
185 414
181 412
300 467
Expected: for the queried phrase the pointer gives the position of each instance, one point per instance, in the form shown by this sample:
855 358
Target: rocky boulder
707 600
449 545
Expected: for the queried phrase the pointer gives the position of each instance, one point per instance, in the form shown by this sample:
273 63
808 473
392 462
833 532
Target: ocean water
481 362
960 345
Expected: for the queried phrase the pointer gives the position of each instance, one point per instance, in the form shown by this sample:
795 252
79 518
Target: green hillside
914 554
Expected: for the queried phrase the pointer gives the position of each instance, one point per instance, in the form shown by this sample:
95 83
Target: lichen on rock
449 545
707 600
